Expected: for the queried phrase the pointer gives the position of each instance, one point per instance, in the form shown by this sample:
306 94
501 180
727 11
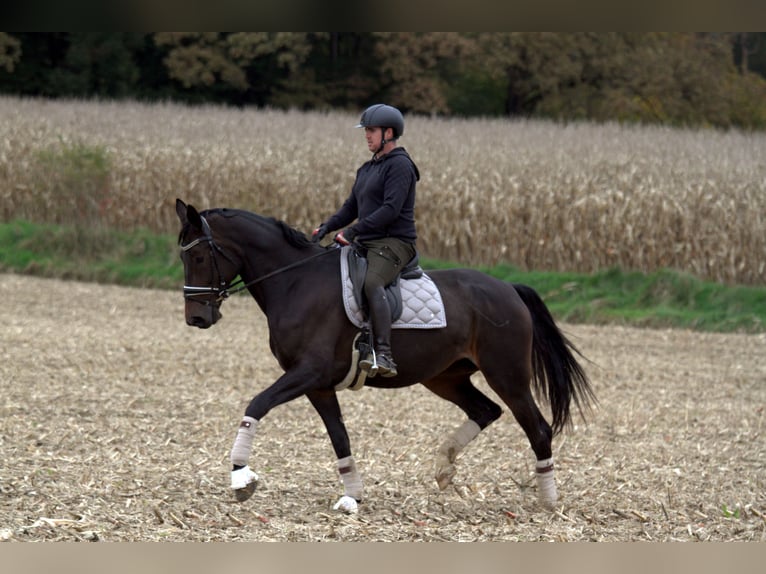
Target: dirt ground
117 420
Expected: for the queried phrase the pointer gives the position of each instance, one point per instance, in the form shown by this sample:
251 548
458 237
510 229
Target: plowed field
116 422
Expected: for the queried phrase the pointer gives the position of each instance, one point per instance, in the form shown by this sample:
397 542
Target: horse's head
208 269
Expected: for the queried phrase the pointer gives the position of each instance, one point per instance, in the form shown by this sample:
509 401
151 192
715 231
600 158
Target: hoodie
382 199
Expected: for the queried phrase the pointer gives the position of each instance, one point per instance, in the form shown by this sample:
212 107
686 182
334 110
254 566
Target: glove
319 233
346 236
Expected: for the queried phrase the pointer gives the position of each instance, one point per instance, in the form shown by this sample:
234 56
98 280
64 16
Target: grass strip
666 298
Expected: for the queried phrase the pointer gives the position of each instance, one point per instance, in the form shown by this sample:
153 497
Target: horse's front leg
326 404
243 478
289 386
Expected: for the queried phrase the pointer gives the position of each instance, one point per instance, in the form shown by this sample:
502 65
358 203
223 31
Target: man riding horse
382 200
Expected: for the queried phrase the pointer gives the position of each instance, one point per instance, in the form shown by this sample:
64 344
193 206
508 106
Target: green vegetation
83 253
662 299
665 298
72 178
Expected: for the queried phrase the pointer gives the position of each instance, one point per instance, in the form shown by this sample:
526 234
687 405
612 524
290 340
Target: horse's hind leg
512 384
455 386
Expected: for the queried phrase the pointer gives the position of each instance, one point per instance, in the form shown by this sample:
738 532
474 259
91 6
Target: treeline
708 79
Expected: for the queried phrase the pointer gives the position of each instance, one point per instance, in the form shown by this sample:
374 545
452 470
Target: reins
229 291
224 292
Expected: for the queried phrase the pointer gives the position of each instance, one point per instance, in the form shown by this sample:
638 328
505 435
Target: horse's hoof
242 494
347 504
444 475
243 482
548 503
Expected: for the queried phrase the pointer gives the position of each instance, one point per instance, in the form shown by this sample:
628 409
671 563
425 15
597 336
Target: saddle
357 271
414 298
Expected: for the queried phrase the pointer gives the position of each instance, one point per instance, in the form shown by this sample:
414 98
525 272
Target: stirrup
370 364
386 367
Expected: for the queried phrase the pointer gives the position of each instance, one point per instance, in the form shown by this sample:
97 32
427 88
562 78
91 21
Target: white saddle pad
422 305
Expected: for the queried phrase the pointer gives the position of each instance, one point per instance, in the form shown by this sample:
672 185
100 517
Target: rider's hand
346 236
319 233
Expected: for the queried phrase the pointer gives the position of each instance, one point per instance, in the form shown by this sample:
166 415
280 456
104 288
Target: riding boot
380 317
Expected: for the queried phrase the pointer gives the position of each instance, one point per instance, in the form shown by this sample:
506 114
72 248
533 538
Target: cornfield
533 194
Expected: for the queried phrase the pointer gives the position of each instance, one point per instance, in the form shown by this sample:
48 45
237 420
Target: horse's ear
195 219
181 211
188 214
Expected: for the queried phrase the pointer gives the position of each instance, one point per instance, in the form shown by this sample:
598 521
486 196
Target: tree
340 71
685 78
79 64
745 44
238 62
10 51
535 66
201 59
97 64
680 78
415 67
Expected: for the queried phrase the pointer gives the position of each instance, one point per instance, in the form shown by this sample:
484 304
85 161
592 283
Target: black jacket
382 199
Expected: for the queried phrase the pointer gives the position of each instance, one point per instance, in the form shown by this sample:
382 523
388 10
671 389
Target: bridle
222 290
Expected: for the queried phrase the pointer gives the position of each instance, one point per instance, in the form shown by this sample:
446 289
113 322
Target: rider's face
374 137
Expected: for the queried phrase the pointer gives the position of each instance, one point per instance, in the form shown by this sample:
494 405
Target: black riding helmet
383 116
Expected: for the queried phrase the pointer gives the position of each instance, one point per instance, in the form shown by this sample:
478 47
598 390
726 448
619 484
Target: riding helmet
382 116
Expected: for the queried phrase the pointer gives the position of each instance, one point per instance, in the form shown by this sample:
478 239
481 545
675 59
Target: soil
117 420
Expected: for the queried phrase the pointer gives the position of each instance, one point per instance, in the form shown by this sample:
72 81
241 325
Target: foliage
90 254
206 58
97 64
680 78
685 79
416 68
10 52
71 181
664 298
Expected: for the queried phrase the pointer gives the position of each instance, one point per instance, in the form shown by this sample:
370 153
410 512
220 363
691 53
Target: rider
382 200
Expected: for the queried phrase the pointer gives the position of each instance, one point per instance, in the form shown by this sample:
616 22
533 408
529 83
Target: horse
503 330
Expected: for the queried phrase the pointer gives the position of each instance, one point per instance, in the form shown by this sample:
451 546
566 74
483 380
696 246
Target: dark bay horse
502 330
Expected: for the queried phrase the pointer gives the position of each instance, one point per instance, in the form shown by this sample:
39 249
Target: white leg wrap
546 484
350 477
448 451
459 439
240 452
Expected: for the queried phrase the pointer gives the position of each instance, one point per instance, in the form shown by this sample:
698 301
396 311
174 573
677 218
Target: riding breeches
385 259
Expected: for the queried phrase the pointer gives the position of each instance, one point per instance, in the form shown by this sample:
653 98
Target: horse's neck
270 261
274 266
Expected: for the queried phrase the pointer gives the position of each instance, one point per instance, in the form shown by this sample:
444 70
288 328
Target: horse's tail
557 375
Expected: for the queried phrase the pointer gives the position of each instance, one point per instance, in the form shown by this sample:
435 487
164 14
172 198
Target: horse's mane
293 236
